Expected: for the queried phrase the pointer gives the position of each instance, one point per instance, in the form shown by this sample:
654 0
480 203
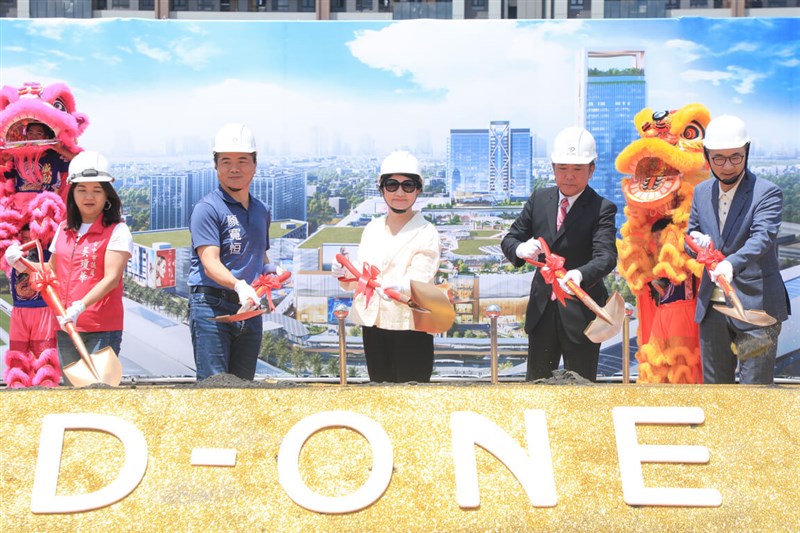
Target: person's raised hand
572 275
529 249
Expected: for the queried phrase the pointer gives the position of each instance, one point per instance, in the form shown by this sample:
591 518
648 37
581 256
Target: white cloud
14 49
64 55
745 79
793 62
498 71
685 51
107 59
743 47
713 76
742 80
192 54
53 28
157 54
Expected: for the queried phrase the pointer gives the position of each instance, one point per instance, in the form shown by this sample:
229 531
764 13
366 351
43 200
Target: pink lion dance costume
32 203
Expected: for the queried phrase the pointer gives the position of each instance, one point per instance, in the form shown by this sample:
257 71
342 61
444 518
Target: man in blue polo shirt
230 239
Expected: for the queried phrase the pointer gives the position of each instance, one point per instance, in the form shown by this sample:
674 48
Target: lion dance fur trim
661 170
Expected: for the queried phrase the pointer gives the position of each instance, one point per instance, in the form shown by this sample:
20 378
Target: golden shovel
609 318
710 260
273 282
433 312
98 367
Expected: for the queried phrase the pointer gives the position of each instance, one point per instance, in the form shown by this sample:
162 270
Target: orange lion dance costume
39 128
662 169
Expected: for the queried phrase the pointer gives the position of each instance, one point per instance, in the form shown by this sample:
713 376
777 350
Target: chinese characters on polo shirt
235 231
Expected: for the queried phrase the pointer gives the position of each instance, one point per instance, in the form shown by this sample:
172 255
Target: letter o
379 478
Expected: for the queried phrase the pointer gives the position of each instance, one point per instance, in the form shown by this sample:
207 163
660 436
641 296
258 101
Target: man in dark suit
741 215
577 224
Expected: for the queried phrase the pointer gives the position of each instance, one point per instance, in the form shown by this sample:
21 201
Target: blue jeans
94 341
222 348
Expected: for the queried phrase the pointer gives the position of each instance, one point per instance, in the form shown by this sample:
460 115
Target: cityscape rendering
479 118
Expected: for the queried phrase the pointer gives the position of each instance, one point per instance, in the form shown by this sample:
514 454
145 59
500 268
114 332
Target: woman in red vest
89 253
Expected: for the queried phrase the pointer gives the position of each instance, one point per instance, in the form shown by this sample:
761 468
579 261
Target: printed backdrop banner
156 89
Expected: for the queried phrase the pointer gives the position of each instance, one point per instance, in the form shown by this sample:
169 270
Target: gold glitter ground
752 433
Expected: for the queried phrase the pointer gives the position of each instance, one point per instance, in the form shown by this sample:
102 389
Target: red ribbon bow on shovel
41 280
552 265
266 282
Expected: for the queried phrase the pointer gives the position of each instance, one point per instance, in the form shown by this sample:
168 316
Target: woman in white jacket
404 247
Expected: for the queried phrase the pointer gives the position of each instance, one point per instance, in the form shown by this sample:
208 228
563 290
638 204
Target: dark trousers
548 342
398 356
722 347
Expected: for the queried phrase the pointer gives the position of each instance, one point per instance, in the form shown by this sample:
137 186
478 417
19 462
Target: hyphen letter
534 469
632 455
379 478
48 464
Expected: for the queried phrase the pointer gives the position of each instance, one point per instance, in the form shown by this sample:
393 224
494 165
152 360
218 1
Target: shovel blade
107 364
751 316
598 329
238 316
440 315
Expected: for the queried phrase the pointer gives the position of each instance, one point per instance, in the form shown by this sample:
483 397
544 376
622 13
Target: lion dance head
661 170
39 130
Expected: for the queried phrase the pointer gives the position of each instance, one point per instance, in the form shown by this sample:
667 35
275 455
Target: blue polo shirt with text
242 236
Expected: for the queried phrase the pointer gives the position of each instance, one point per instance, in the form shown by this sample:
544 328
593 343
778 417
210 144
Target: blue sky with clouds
150 85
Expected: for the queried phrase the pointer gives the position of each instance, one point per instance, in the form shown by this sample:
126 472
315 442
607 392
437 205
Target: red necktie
562 213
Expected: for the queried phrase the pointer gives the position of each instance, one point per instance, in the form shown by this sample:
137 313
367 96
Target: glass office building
468 162
521 163
284 193
613 96
168 201
496 161
499 159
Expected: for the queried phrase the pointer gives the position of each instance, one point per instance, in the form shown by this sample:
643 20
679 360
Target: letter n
534 469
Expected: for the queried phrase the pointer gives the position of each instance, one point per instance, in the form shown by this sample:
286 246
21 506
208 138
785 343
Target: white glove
248 297
13 254
724 268
381 291
572 275
529 249
701 239
338 271
72 313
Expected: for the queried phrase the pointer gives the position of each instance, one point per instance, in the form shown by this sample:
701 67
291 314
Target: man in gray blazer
740 214
577 224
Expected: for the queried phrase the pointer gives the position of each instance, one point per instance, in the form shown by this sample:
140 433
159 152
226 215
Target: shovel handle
54 303
723 282
391 293
581 294
345 262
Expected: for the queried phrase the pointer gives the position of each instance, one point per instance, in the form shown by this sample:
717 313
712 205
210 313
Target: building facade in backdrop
173 195
397 9
494 164
613 96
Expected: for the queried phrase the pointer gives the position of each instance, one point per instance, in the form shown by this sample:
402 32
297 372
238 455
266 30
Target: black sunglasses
392 185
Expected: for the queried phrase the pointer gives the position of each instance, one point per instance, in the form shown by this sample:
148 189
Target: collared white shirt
570 199
725 201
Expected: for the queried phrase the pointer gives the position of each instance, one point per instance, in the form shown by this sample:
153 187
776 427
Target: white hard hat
725 132
234 137
400 162
89 166
573 146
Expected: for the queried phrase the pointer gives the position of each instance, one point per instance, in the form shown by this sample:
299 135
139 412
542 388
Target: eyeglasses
720 160
392 185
